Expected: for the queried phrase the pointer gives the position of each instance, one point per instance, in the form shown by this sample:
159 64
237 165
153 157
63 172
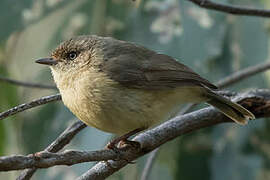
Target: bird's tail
234 111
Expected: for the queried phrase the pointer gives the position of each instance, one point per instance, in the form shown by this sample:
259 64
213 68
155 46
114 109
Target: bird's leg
123 140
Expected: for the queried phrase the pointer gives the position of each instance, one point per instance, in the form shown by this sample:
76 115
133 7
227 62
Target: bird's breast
104 104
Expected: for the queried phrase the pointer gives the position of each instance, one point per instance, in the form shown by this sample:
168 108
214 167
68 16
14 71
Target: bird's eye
72 55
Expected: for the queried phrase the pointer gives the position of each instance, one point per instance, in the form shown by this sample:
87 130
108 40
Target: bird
123 88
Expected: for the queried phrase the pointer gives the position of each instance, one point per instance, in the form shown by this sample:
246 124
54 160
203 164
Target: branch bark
257 102
231 9
243 74
32 104
57 145
149 164
47 159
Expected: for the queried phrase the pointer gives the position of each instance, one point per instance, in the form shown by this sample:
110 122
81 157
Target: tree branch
57 145
243 74
257 102
231 9
149 164
47 159
26 84
32 104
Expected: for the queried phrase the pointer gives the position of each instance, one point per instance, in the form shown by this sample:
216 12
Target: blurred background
214 44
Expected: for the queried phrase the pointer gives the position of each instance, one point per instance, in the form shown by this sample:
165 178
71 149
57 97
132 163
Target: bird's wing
145 69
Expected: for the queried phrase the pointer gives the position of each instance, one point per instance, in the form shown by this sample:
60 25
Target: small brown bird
121 87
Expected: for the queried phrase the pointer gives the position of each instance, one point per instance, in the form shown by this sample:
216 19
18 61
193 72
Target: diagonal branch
26 84
57 145
32 104
149 164
243 74
231 9
258 102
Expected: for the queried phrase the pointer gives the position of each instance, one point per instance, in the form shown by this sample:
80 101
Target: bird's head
72 57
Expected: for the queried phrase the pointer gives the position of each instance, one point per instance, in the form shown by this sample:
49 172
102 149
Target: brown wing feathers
167 71
151 71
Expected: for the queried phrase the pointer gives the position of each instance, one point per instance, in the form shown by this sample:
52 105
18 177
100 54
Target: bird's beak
46 61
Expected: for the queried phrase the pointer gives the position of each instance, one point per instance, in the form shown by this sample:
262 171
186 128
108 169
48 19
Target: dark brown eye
72 55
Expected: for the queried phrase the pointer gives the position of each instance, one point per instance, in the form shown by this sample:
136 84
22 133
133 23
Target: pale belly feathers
110 107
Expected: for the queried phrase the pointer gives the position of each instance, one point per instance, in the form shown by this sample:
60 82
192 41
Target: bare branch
149 163
47 159
66 136
57 145
32 104
231 9
257 102
243 74
26 84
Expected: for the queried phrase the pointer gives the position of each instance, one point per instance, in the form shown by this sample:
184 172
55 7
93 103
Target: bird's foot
127 143
123 142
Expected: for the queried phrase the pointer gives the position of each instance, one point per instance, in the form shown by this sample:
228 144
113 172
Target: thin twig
26 84
232 9
57 145
152 157
243 74
149 163
32 104
258 102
